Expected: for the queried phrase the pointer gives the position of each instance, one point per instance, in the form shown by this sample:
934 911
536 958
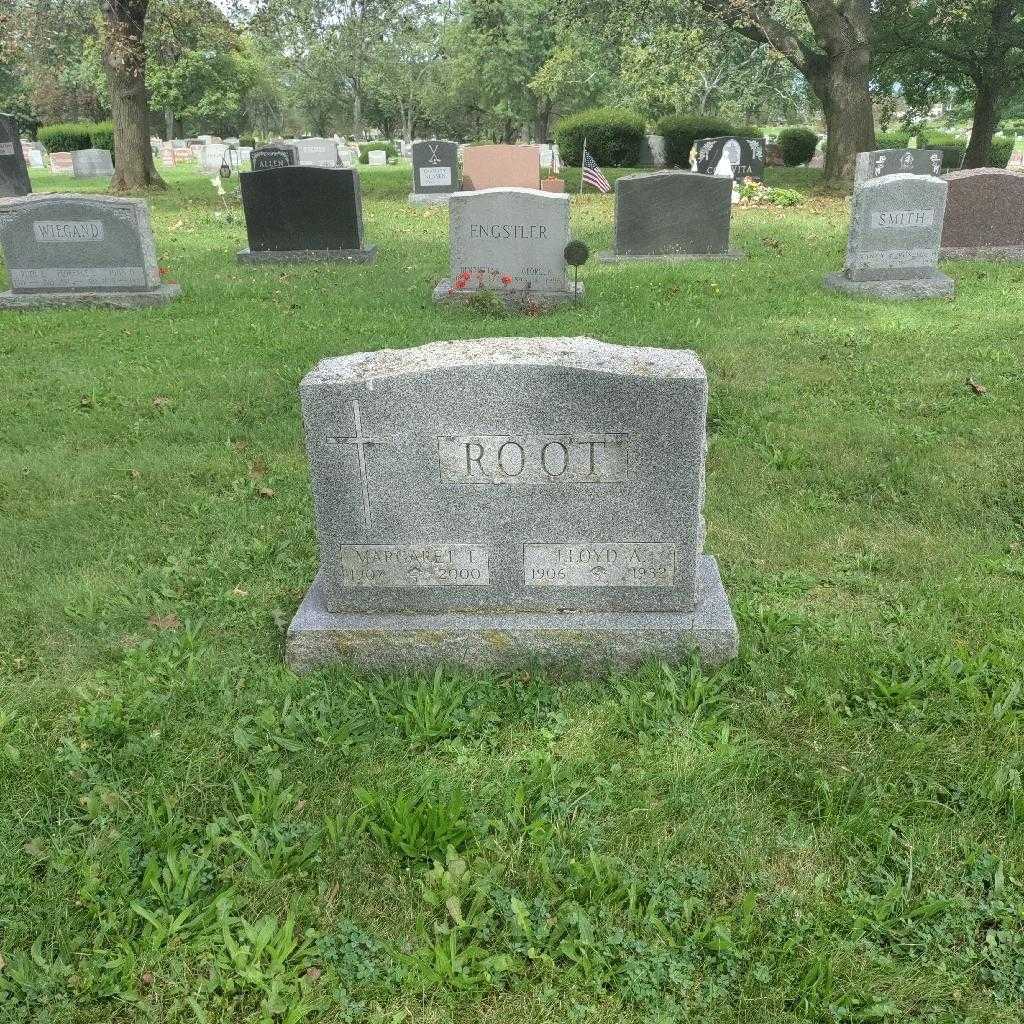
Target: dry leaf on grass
168 621
978 389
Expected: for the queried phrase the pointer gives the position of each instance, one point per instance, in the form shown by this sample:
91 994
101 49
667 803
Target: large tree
974 48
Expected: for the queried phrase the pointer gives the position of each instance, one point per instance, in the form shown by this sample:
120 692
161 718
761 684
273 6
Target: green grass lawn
828 829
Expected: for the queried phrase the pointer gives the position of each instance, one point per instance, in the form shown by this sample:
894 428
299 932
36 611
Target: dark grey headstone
672 213
435 167
264 158
295 213
652 151
14 180
880 162
745 155
80 250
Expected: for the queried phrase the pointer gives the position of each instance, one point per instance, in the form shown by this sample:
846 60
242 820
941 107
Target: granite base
429 198
103 300
936 286
367 255
444 293
672 257
578 640
1001 253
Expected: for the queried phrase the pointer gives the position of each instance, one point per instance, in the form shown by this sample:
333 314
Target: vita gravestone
92 163
274 155
435 171
506 500
672 215
303 215
984 215
14 179
880 162
510 241
893 249
70 250
745 155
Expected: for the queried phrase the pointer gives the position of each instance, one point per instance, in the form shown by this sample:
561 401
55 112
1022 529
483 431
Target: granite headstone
435 171
486 167
984 215
672 215
274 154
893 248
61 163
508 500
652 151
92 163
880 162
14 179
303 215
745 155
510 241
75 250
317 152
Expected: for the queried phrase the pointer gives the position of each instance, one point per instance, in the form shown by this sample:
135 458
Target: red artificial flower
505 279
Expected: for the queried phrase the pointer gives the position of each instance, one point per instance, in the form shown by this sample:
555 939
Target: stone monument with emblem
503 501
435 172
14 179
880 162
745 156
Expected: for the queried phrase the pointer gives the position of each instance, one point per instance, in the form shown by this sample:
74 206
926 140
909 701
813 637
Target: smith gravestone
69 250
745 155
14 179
984 215
510 241
435 171
506 500
895 230
880 162
92 163
303 215
672 215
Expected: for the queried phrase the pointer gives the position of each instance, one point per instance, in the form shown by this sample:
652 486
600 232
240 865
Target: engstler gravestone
435 171
672 215
303 215
510 241
984 215
74 250
14 179
509 500
893 248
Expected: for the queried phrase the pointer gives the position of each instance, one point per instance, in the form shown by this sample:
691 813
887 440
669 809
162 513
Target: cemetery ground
824 830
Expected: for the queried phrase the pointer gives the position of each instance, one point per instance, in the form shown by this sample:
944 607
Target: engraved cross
360 441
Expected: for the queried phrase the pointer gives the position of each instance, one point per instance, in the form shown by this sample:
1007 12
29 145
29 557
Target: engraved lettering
903 219
68 230
381 566
612 564
544 458
522 458
533 458
475 457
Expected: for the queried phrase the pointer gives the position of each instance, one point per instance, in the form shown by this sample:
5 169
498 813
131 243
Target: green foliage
613 136
66 138
797 145
999 154
892 140
102 136
415 825
682 130
365 148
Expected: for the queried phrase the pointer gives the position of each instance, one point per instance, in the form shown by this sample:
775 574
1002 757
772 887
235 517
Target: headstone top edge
38 198
978 172
559 197
888 180
574 352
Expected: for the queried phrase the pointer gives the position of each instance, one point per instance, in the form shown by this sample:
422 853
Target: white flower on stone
218 185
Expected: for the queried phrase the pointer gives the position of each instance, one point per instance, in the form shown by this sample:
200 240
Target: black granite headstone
274 155
14 180
879 162
435 167
303 213
745 155
672 214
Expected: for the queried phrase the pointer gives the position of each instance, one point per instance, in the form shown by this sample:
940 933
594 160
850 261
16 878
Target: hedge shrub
613 136
682 130
891 140
365 147
66 138
102 136
999 154
797 145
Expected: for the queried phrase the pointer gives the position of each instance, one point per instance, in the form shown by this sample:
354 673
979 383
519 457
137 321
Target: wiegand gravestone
984 215
880 162
746 156
272 155
672 215
303 215
14 179
73 250
510 241
893 248
92 163
435 171
506 500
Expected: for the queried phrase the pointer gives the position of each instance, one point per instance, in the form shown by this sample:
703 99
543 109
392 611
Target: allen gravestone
672 215
880 162
14 179
510 241
893 248
435 172
506 500
984 215
274 154
73 250
303 215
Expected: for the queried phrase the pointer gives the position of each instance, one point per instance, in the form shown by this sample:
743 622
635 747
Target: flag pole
583 160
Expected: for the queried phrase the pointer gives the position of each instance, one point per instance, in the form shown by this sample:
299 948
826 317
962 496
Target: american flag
592 174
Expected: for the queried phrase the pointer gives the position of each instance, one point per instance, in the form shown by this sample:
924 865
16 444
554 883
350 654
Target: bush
748 131
613 136
797 145
102 136
682 130
365 147
891 140
247 142
999 154
66 138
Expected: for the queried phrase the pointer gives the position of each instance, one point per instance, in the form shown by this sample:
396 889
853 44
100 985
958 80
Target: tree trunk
841 84
169 124
541 120
357 114
124 59
986 118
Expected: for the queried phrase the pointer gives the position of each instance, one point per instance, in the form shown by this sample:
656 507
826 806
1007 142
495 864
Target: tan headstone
552 185
500 167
